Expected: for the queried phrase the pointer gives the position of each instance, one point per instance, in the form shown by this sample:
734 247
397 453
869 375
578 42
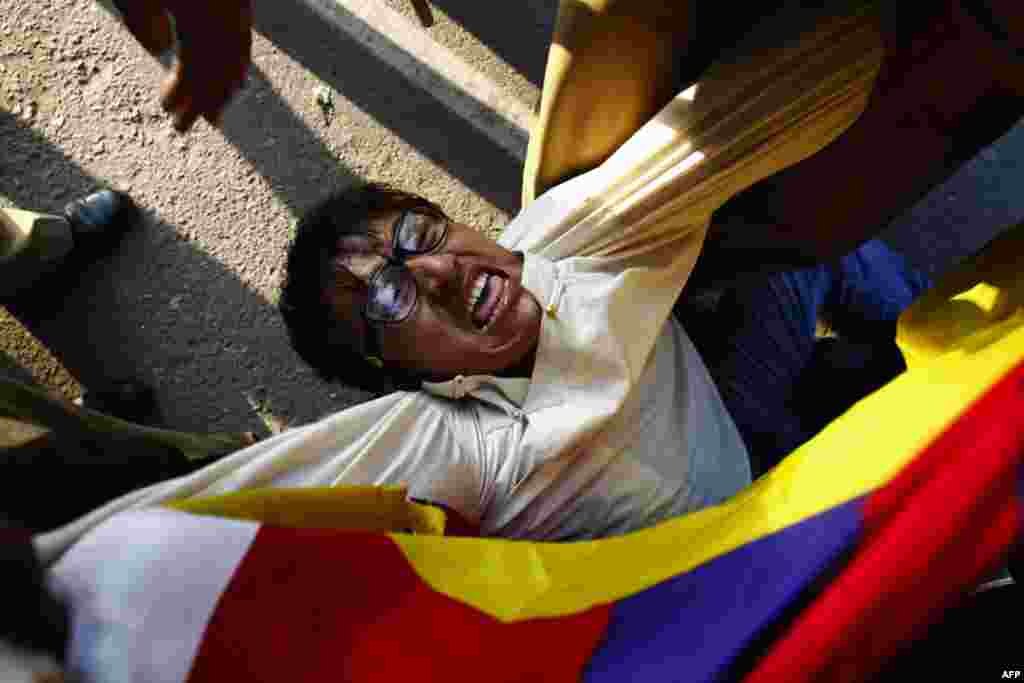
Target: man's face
471 316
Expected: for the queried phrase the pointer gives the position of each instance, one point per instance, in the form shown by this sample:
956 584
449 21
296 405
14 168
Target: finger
174 90
207 96
148 23
177 99
208 73
214 119
185 116
215 113
186 98
213 92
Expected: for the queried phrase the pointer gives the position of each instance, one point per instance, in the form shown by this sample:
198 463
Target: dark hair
315 333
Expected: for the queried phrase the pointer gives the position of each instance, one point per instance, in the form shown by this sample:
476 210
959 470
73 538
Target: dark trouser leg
54 478
779 383
761 342
873 286
32 246
85 458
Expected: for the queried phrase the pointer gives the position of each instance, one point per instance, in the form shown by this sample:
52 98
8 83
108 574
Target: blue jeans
779 382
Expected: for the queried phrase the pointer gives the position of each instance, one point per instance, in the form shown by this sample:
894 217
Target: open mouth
485 299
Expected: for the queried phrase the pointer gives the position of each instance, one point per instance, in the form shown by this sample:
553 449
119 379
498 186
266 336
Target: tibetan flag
821 570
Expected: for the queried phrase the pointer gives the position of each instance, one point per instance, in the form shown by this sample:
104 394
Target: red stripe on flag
310 605
947 518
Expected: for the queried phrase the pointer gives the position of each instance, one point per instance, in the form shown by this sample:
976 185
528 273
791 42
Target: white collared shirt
620 425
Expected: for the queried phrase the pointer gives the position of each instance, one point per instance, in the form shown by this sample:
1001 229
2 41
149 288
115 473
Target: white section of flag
143 586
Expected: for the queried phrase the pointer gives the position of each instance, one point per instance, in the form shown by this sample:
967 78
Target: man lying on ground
548 392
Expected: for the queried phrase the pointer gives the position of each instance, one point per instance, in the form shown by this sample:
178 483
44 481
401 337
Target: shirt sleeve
367 444
745 120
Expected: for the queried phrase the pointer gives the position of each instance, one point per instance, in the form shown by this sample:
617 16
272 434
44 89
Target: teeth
504 296
476 291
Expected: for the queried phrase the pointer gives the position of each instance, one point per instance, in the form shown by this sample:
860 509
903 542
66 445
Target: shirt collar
487 388
539 275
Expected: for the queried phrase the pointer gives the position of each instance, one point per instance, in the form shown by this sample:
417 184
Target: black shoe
99 220
130 400
97 223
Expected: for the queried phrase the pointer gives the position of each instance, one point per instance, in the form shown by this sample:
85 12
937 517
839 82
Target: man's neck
524 368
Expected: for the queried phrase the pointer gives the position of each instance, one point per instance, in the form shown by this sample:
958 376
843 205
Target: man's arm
399 439
951 83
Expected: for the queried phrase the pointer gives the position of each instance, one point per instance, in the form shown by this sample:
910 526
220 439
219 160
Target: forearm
947 89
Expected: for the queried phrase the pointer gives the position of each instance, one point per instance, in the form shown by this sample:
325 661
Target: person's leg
31 246
779 382
874 284
871 287
36 406
757 344
105 455
56 434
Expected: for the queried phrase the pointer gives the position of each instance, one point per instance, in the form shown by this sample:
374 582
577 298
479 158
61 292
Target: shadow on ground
415 116
159 307
518 32
263 128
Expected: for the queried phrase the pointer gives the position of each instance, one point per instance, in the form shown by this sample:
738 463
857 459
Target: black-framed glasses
392 292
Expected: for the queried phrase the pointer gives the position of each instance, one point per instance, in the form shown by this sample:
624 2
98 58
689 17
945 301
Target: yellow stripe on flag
362 508
858 452
855 454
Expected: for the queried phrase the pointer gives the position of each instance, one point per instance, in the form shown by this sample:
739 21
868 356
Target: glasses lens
417 233
392 294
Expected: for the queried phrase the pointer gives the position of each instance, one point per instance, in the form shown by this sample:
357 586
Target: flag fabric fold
823 569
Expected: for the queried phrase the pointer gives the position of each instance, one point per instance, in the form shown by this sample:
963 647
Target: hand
214 48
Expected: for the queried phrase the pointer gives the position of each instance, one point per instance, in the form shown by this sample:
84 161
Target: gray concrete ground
187 302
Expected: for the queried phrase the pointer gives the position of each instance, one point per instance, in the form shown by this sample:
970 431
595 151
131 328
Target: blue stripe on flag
694 625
